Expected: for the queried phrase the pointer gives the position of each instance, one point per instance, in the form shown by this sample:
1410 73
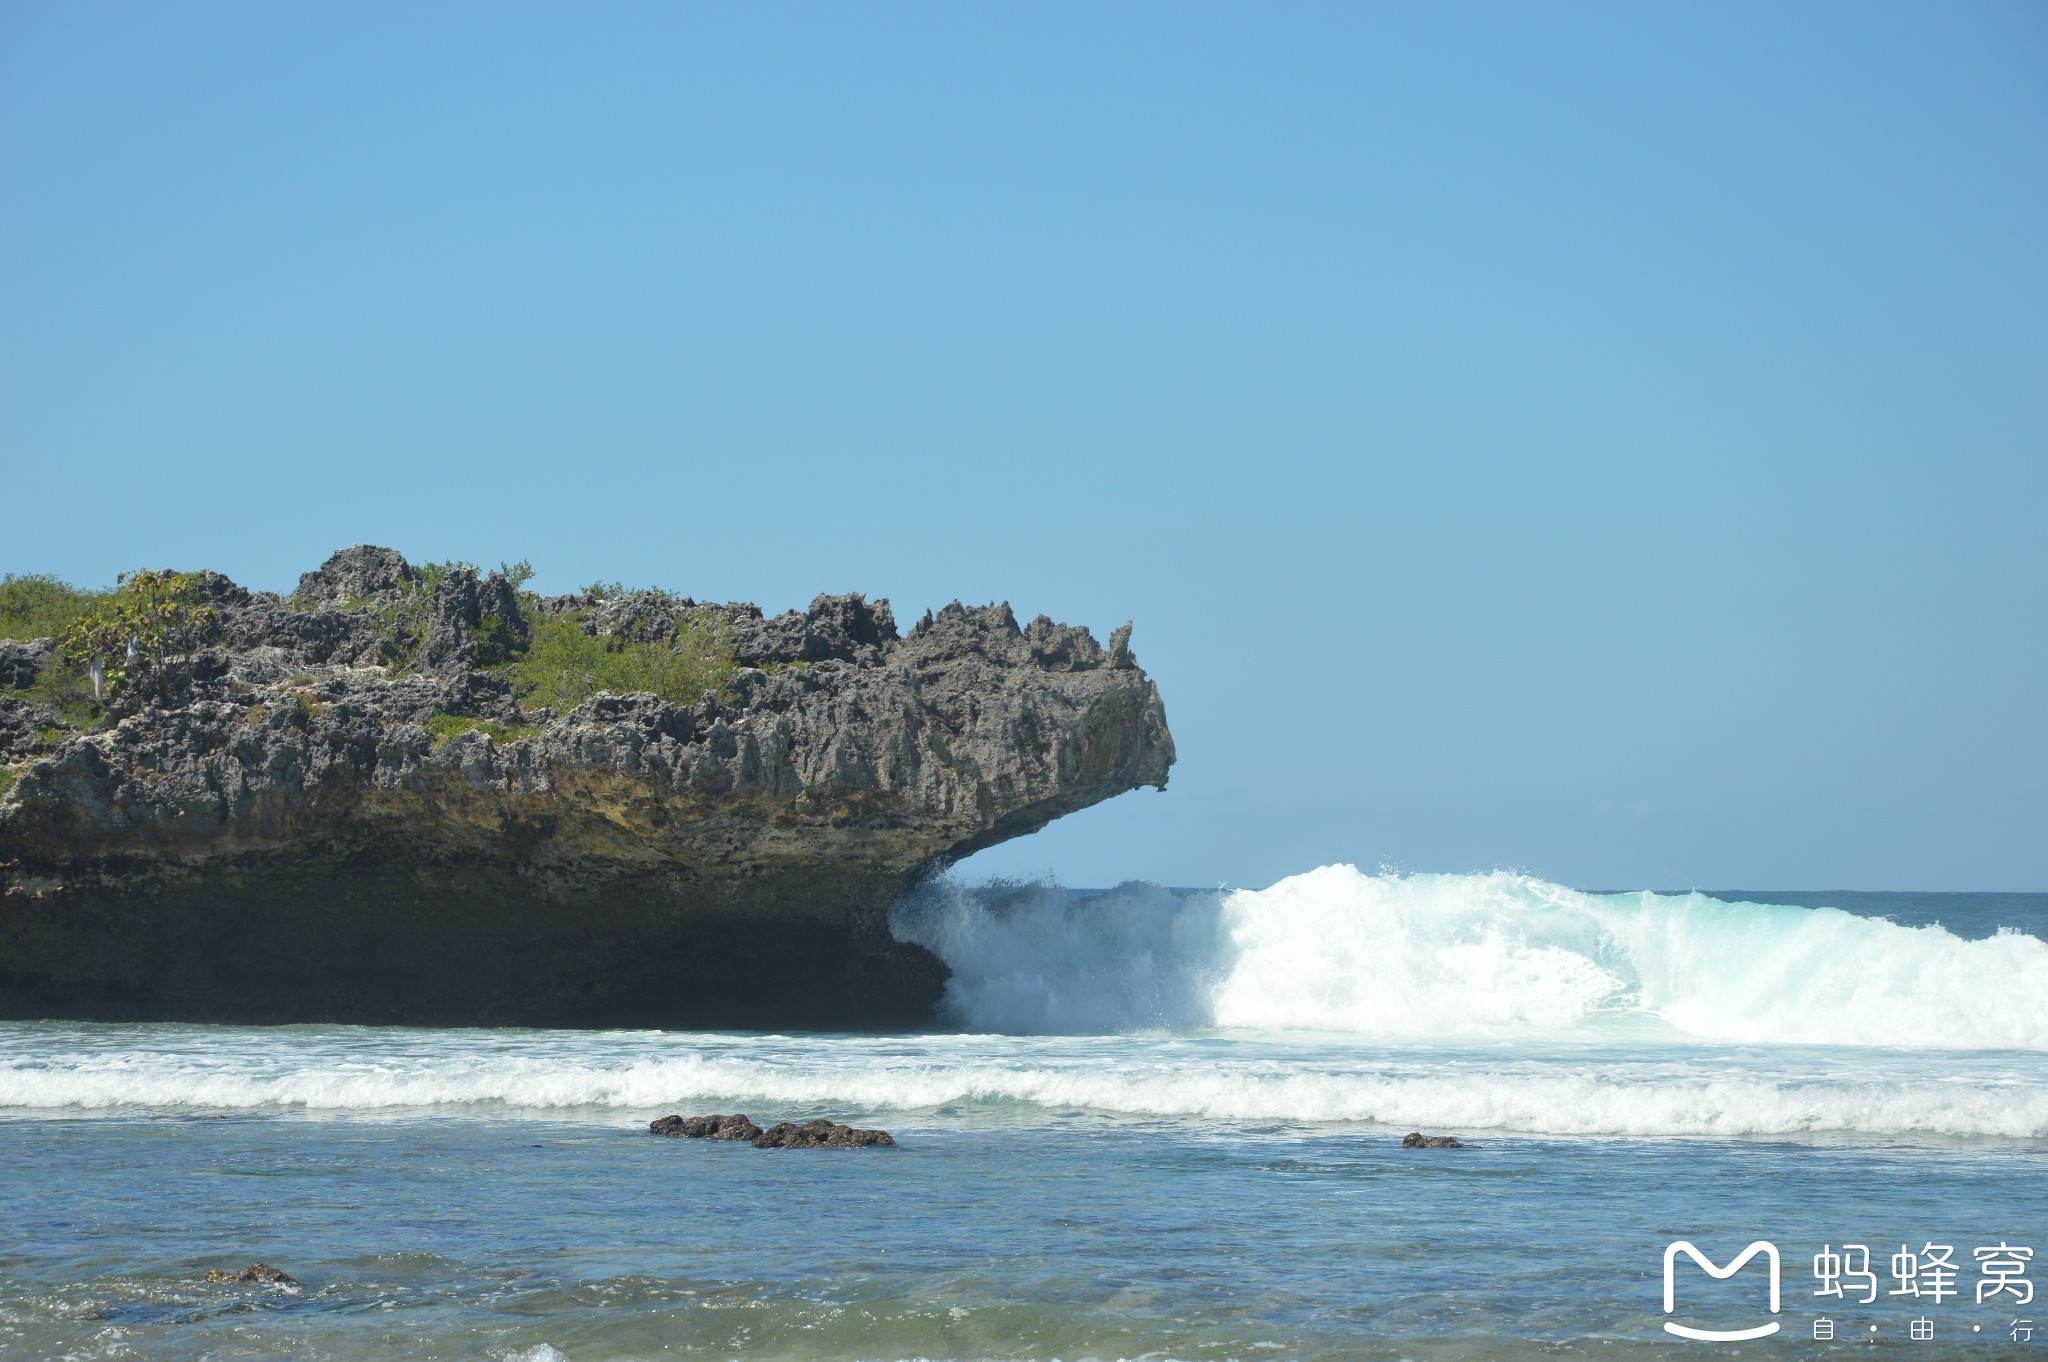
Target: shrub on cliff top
39 605
605 591
149 617
519 573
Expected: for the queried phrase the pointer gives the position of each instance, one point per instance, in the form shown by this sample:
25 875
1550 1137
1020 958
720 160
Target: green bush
605 591
519 573
432 573
443 728
152 614
39 605
563 666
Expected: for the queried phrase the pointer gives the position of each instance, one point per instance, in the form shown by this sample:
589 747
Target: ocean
1153 1124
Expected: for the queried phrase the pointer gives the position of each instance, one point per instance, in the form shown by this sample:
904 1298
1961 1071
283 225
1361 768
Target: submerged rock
256 1273
820 1134
349 807
736 1127
1415 1139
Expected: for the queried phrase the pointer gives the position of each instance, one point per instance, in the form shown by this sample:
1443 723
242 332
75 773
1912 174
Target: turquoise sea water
1157 1124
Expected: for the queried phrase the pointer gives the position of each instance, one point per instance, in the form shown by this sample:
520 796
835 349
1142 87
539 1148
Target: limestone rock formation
344 809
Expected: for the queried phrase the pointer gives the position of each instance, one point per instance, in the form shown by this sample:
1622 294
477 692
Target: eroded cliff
350 807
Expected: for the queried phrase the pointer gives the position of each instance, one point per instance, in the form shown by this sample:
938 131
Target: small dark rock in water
819 1134
734 1127
1415 1139
262 1273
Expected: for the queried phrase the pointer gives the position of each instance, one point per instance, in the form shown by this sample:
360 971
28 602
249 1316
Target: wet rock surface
820 1134
736 1127
1415 1139
272 834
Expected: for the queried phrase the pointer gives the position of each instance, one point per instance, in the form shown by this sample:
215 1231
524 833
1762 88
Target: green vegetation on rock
563 666
519 573
644 640
146 619
159 613
68 694
405 627
8 775
407 623
443 728
605 591
40 605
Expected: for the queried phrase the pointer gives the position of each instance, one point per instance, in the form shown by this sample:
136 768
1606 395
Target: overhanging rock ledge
276 835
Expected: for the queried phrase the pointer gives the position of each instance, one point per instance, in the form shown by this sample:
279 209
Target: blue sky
1600 440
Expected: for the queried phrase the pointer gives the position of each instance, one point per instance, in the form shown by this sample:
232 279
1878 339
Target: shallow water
1151 1157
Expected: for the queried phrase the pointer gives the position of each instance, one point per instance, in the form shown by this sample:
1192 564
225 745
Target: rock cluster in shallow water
818 1134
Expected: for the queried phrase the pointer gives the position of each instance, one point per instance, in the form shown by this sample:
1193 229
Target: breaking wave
1437 1002
1395 956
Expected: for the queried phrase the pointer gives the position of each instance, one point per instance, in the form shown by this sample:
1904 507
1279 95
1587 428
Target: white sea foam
1336 950
1691 1090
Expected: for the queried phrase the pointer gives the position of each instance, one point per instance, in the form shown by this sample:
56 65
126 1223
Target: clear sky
1603 440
